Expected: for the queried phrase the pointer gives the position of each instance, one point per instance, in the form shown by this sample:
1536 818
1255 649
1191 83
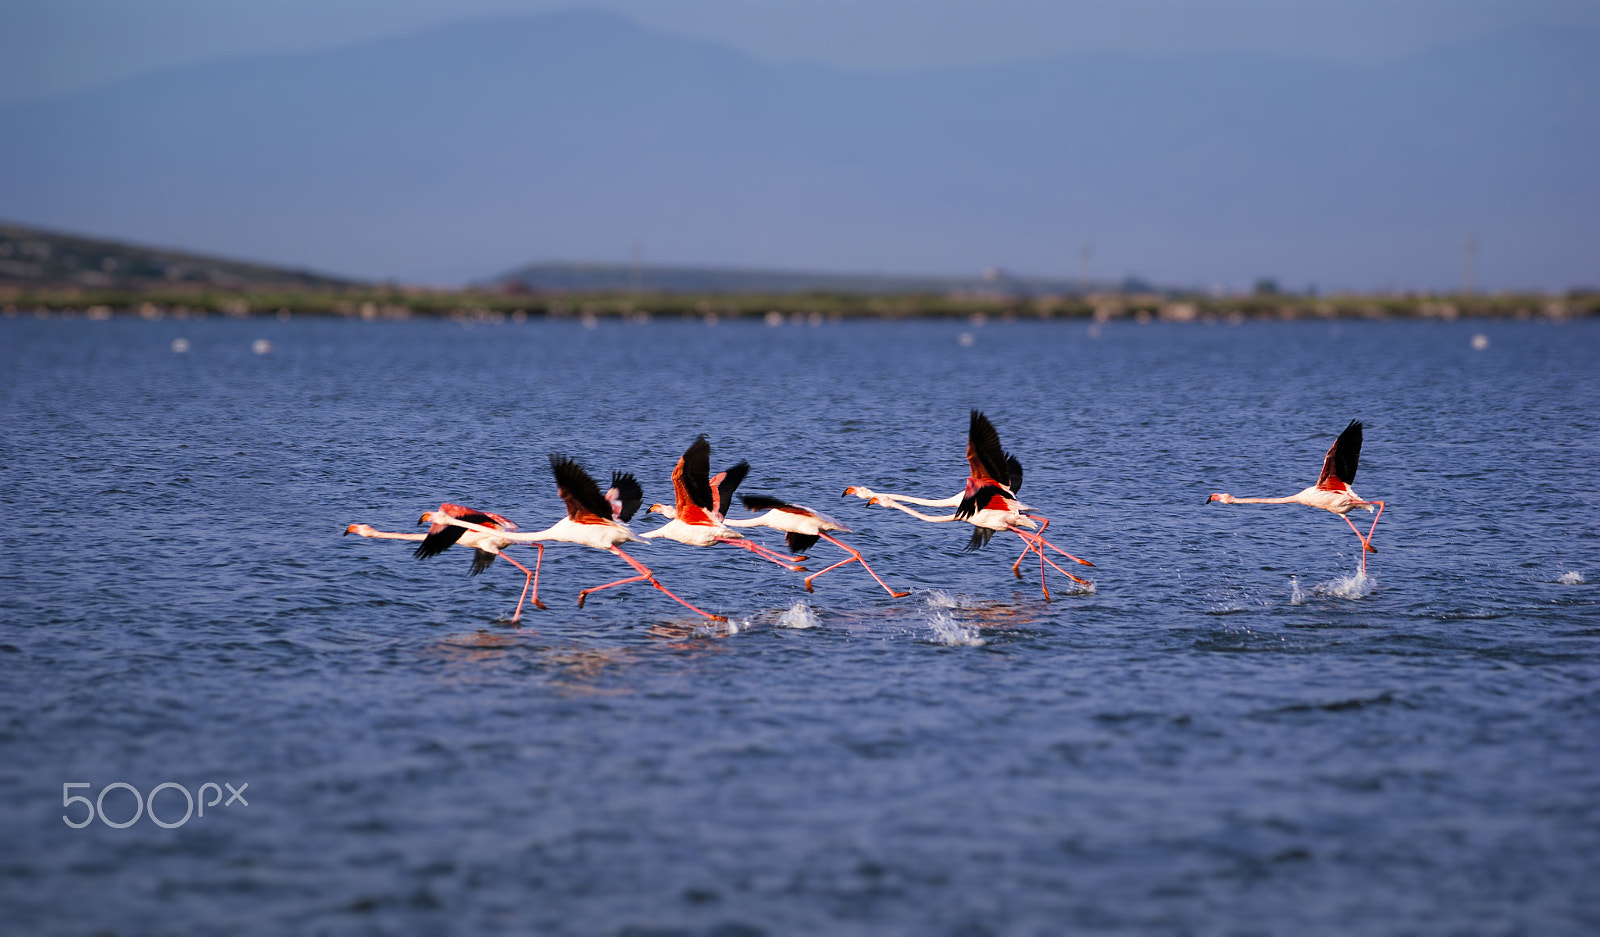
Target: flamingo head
860 492
361 530
665 510
1224 498
426 518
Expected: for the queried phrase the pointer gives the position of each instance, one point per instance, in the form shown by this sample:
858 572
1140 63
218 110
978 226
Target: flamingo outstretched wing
585 504
624 496
723 485
985 498
442 537
769 503
1339 465
986 459
691 487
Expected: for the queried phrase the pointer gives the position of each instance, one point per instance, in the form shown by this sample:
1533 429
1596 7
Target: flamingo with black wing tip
988 501
696 517
1332 491
485 541
595 520
802 526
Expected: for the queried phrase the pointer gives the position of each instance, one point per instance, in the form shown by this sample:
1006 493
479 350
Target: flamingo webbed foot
899 595
539 605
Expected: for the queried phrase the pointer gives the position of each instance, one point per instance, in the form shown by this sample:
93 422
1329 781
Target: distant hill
33 258
448 154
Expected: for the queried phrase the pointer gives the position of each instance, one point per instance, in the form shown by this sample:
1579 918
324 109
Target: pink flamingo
1332 491
700 502
485 541
988 501
802 526
595 520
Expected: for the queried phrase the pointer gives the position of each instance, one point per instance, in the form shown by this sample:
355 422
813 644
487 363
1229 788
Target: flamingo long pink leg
765 554
525 584
1027 536
1043 586
769 552
1366 542
855 556
644 574
1016 568
1059 550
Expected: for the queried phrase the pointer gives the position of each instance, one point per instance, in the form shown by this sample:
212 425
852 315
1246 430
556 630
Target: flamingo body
490 535
802 527
988 500
594 520
696 516
1332 492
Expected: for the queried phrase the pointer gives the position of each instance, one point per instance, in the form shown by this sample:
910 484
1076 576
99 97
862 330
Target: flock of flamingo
698 515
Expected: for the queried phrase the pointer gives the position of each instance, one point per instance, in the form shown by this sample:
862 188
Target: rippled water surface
1229 733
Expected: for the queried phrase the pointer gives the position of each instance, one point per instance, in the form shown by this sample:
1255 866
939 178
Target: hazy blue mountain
33 259
462 151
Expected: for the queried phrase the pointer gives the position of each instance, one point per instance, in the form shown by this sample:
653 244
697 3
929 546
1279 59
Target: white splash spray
951 633
1349 587
1573 578
798 615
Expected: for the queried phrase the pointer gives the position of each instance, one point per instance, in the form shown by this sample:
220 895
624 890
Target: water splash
951 633
1297 595
1349 587
939 599
798 615
1573 578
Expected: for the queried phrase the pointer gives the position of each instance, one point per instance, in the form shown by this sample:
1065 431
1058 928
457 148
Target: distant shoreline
393 303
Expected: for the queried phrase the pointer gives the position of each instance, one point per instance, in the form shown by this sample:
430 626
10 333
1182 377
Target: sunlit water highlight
1230 732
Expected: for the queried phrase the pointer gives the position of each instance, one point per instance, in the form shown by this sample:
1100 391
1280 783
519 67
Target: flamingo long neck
387 535
758 521
949 502
1287 499
891 502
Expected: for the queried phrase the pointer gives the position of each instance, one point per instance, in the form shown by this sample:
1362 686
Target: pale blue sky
49 47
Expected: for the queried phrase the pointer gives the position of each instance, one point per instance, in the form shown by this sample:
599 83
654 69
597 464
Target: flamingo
696 517
1332 491
594 520
802 526
442 535
988 501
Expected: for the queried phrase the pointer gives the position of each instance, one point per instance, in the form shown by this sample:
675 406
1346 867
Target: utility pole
1469 256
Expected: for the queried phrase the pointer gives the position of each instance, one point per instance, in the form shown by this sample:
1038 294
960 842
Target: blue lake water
1228 734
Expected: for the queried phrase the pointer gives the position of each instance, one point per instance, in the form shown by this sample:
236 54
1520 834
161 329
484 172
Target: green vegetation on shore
49 273
388 302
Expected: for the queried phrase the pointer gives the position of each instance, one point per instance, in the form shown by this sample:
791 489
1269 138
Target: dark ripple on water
1228 733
